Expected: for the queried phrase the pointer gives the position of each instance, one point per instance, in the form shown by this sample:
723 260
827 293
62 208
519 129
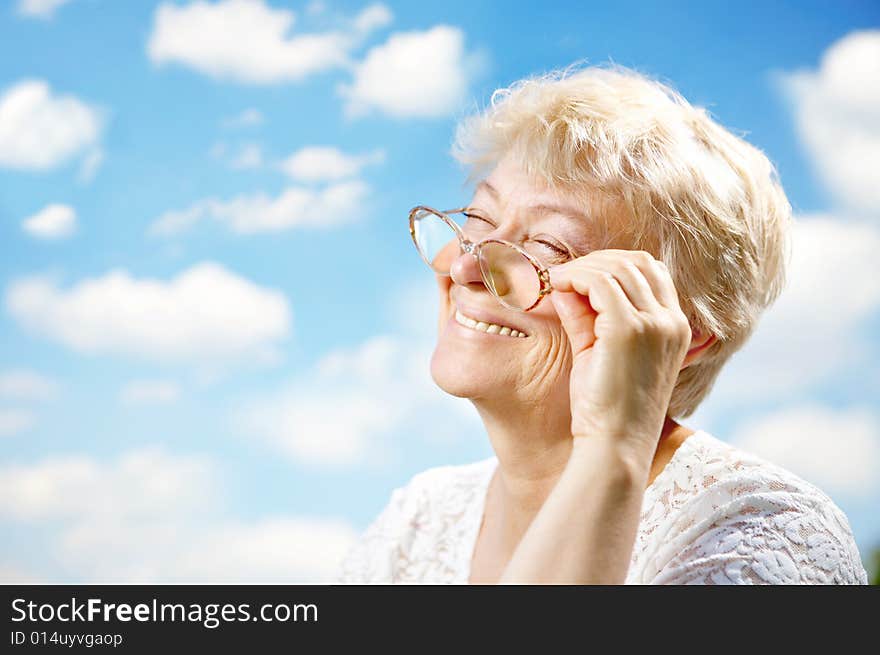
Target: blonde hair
697 197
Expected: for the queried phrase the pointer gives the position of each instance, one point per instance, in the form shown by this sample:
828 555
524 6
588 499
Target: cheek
556 335
551 349
550 324
560 346
444 284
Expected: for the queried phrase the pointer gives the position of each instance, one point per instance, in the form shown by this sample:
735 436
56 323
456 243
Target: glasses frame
468 246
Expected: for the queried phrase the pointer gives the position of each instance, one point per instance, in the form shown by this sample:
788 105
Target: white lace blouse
714 515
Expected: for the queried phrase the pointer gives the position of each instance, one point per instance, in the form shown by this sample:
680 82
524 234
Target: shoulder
726 474
413 518
731 516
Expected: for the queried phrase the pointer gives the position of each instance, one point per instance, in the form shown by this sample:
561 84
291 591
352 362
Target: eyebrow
582 219
485 185
542 208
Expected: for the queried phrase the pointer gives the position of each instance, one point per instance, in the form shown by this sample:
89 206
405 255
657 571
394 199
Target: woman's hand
629 338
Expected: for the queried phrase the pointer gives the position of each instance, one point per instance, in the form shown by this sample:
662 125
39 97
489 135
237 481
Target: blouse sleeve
767 537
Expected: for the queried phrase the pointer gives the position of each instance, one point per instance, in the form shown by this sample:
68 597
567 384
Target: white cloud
11 574
344 411
139 484
179 220
248 41
316 7
39 130
52 222
14 421
837 450
415 309
247 118
413 74
149 392
249 156
326 163
90 165
189 549
218 150
334 205
204 314
815 329
273 550
837 110
372 18
43 9
22 384
244 156
149 516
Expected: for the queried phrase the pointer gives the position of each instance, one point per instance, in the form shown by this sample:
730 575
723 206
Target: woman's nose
465 269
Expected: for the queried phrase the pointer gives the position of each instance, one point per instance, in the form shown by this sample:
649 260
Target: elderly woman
619 247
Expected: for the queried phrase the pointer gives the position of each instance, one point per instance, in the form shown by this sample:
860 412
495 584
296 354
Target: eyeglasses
515 277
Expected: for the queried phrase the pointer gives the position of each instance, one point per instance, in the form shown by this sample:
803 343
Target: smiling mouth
490 328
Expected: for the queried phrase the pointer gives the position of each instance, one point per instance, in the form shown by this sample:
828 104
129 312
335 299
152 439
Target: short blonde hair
702 200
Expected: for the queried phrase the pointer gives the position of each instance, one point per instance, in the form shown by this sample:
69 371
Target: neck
533 445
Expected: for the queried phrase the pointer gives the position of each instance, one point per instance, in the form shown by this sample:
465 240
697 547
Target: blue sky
215 331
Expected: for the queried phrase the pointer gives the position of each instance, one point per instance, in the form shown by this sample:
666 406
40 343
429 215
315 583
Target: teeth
482 326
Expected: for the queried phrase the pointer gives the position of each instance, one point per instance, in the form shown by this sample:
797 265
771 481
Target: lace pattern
714 515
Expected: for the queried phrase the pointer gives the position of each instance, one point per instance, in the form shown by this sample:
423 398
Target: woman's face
471 363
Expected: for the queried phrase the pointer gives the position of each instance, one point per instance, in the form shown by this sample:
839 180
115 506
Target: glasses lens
436 241
511 277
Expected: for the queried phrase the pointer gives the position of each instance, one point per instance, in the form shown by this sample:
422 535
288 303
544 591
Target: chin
457 374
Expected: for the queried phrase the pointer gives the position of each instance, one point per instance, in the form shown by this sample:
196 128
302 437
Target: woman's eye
555 250
477 223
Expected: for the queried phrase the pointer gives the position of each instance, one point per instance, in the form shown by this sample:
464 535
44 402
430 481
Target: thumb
577 316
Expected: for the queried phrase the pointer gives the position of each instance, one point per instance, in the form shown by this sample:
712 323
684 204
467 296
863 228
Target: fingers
645 282
578 318
601 287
